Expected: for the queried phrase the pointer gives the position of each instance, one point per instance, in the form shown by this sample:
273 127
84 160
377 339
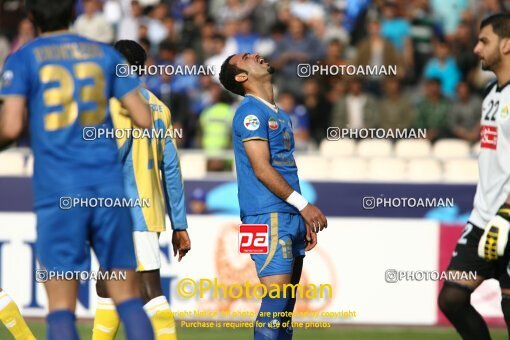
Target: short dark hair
51 15
228 73
132 51
500 24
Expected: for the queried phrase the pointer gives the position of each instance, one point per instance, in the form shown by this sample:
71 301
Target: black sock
505 306
455 302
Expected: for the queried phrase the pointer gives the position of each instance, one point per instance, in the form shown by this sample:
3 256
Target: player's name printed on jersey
335 133
66 203
92 133
309 70
371 202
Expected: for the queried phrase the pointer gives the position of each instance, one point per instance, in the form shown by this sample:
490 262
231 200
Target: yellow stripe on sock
156 306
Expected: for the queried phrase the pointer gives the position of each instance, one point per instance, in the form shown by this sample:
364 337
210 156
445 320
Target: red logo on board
254 238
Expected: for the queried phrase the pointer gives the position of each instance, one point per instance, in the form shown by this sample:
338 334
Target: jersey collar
271 106
500 88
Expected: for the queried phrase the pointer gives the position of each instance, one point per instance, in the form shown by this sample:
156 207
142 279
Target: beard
490 63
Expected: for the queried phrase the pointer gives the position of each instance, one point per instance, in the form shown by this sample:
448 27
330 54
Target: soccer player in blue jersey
65 82
151 171
268 186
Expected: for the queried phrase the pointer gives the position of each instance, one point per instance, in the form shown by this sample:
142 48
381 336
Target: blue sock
287 332
136 322
61 325
269 325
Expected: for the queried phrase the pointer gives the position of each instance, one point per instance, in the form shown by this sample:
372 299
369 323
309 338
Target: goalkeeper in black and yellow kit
151 171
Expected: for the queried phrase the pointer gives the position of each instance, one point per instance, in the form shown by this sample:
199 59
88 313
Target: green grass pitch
344 332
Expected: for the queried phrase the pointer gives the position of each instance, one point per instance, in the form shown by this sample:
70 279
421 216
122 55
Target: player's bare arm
12 115
258 153
138 110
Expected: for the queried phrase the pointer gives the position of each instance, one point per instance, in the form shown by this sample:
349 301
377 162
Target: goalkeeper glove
493 242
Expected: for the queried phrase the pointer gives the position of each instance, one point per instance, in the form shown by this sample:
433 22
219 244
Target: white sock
4 300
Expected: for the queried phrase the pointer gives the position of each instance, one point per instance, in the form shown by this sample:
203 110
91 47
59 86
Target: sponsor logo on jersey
6 79
505 112
489 137
251 122
286 140
273 124
254 238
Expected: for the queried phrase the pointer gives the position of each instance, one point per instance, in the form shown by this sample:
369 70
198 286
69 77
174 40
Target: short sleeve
123 81
250 123
14 79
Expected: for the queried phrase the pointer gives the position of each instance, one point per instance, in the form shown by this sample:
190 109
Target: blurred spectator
26 33
112 11
197 202
264 15
234 10
319 109
432 111
267 46
396 29
245 38
462 47
464 116
489 7
423 30
156 29
205 45
189 83
219 54
195 17
167 53
229 30
374 50
306 10
356 110
298 46
443 67
394 109
448 13
353 11
93 24
215 128
335 29
298 117
130 23
334 56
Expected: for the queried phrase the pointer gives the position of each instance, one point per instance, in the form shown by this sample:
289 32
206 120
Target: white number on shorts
467 230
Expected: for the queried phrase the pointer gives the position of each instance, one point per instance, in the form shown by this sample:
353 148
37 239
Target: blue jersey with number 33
67 81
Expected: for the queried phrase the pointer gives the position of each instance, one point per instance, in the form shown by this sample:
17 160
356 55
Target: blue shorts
65 236
287 234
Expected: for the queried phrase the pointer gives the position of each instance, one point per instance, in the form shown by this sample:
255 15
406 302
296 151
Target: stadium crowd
438 84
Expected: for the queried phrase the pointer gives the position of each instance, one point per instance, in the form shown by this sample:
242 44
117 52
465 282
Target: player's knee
150 287
101 289
453 297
